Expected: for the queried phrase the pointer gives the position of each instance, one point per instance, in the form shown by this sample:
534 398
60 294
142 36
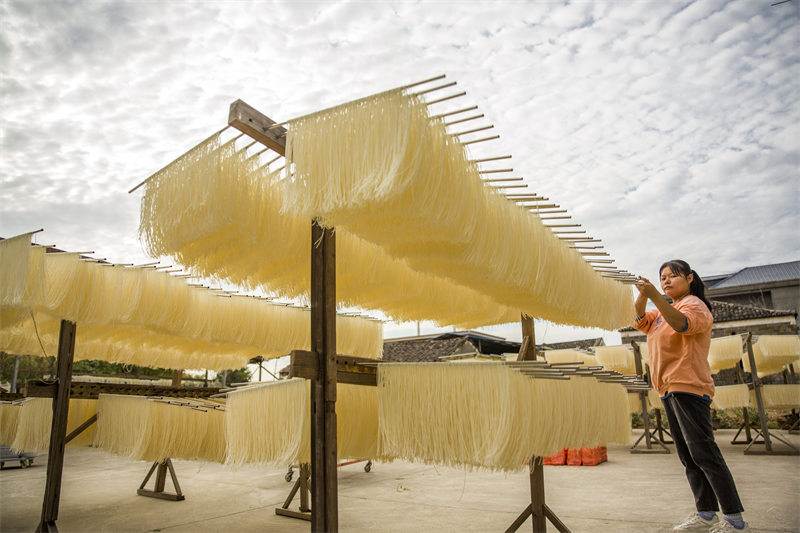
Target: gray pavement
629 493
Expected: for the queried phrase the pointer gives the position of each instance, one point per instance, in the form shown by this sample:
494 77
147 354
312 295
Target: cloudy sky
666 128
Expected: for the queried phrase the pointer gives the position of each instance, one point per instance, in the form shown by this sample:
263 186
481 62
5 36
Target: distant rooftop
755 275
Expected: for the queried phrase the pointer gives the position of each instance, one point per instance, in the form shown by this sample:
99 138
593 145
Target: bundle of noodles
9 416
570 356
33 425
490 416
778 396
149 429
635 403
730 396
120 306
35 419
223 186
385 170
655 399
269 424
619 358
124 344
772 353
645 353
725 352
121 422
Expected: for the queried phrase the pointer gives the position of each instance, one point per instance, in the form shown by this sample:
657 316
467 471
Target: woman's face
674 284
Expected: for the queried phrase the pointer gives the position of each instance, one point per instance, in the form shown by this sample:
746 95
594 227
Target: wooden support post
647 435
527 351
539 521
762 413
538 510
745 414
58 429
176 377
15 374
757 389
324 497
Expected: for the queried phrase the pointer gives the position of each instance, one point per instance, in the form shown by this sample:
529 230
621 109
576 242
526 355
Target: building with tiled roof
447 347
774 286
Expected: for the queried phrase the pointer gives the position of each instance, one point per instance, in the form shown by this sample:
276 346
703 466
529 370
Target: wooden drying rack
61 390
325 368
363 371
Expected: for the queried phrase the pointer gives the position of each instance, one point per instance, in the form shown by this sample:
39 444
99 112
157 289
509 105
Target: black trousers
711 482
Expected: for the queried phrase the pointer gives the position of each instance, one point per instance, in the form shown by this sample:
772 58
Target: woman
678 338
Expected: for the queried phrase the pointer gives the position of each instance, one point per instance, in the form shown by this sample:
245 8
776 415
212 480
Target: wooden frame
764 432
648 435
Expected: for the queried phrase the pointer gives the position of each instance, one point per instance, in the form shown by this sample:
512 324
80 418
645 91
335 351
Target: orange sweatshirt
679 361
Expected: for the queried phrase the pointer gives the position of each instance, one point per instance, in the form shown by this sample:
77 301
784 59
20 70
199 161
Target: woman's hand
647 289
674 318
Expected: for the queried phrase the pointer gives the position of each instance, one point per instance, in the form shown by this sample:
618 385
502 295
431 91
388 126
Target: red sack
574 457
558 458
591 456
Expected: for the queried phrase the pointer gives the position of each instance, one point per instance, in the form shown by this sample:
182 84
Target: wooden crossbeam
92 391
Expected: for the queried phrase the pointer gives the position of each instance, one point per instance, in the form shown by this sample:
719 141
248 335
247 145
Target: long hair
696 287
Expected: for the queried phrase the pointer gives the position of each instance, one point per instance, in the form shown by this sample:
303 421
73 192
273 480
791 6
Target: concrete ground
629 493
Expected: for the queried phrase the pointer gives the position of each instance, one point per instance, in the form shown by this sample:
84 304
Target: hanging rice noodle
634 403
730 396
778 396
725 352
570 356
655 399
9 416
269 424
150 429
619 358
491 416
121 311
386 171
224 187
405 243
772 353
35 419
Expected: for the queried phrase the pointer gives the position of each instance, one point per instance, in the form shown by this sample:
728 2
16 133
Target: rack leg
539 512
301 485
161 469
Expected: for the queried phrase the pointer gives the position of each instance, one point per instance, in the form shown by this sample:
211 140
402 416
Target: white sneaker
723 526
695 522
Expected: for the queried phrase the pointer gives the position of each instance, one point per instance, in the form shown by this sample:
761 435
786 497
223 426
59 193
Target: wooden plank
58 430
80 429
92 391
257 125
349 369
293 514
324 497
